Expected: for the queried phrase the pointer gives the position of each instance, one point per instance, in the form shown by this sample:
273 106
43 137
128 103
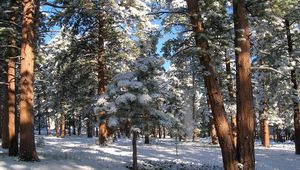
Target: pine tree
214 93
5 31
245 109
27 144
11 79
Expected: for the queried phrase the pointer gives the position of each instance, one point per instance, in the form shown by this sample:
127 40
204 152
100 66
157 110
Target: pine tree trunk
127 128
88 128
295 87
102 80
264 126
79 126
69 130
56 127
234 129
159 132
4 91
164 132
134 150
73 125
153 131
63 125
213 133
147 138
245 109
212 86
231 98
194 107
27 144
48 122
11 97
194 135
261 134
97 132
229 79
265 133
39 115
74 130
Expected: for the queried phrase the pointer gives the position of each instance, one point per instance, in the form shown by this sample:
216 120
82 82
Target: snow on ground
82 153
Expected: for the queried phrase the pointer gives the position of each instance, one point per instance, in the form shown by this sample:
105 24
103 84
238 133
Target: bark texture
245 109
295 87
134 150
214 138
212 86
27 144
234 129
11 97
265 133
63 125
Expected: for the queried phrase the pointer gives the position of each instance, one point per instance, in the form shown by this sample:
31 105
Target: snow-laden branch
181 51
168 12
264 67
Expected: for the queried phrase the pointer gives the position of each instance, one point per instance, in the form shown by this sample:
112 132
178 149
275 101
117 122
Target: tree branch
168 12
266 68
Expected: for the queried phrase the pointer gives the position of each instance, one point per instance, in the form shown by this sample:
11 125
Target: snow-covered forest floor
82 153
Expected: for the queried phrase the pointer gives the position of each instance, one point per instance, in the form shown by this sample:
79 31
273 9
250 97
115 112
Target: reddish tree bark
212 86
194 134
245 109
213 133
231 98
11 97
234 129
63 125
27 144
265 133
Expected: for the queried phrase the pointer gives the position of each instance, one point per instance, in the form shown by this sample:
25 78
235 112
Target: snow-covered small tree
135 96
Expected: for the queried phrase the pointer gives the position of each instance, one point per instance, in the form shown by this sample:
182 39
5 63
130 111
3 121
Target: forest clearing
79 152
150 84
